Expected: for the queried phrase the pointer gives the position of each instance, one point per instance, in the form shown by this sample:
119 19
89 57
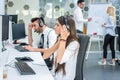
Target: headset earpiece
66 23
41 24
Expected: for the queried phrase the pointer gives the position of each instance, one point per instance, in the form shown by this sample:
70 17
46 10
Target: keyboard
21 49
24 68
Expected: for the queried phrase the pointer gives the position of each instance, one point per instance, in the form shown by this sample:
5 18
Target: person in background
66 49
109 25
46 36
78 16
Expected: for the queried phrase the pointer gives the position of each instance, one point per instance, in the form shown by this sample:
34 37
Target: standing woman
109 35
65 50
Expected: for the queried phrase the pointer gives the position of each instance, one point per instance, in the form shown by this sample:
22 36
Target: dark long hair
68 21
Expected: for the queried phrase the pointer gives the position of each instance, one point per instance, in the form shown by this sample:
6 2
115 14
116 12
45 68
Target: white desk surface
42 72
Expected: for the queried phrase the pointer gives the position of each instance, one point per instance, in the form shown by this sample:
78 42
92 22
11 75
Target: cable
11 64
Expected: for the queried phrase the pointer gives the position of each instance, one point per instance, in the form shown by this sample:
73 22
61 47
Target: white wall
2 7
26 15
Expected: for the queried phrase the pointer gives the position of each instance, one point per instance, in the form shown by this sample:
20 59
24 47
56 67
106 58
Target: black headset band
66 22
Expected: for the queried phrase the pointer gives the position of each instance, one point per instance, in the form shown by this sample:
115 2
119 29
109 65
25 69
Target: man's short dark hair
37 18
80 1
34 19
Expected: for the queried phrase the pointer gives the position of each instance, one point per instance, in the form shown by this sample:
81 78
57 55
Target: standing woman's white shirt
70 59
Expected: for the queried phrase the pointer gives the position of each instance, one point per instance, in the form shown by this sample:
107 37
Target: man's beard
38 31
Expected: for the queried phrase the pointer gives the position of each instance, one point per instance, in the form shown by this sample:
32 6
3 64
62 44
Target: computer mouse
25 58
23 44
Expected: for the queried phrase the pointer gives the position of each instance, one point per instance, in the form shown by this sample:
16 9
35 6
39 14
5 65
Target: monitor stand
3 46
3 49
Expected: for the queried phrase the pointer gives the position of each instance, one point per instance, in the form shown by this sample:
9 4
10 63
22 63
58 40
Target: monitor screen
5 27
13 18
18 31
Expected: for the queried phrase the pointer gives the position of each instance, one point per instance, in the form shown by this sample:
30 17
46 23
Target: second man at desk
46 36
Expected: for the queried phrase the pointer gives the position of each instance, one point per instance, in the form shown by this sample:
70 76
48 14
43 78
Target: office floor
93 71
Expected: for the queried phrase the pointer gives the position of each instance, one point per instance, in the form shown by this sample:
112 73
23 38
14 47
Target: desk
42 72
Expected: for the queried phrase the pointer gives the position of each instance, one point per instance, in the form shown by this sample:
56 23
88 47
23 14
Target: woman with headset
65 50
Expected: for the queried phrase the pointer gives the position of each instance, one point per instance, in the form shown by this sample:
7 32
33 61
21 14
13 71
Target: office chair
83 40
118 42
118 32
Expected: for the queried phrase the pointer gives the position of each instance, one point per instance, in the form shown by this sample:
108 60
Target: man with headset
46 36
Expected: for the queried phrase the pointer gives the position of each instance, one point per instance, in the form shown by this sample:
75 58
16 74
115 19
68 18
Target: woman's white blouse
70 59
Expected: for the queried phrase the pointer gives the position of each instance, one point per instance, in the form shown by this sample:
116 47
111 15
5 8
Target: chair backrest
83 40
118 32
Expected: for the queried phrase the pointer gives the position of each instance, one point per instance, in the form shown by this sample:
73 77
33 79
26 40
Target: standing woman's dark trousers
108 40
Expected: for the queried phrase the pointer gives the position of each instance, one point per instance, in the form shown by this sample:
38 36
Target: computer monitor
5 27
5 30
18 31
13 18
